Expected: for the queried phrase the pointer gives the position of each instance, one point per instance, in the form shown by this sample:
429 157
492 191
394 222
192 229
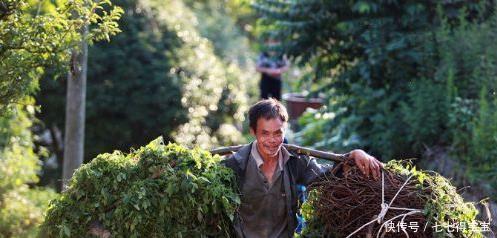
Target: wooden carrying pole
294 148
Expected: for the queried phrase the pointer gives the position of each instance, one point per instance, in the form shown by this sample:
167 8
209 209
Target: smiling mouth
273 148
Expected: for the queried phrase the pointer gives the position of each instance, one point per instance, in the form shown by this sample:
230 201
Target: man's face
270 44
269 135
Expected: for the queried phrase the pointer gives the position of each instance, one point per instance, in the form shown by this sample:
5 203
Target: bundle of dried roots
402 203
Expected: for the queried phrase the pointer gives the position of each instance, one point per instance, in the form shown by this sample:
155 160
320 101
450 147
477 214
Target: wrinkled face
269 135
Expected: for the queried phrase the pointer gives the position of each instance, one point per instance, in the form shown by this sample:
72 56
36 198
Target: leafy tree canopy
160 76
37 34
365 55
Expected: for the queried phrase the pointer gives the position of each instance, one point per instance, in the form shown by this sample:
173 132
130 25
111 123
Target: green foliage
209 78
444 206
483 152
155 191
371 58
160 76
225 25
22 211
130 94
400 77
425 114
228 26
21 208
18 162
36 35
314 124
216 24
467 66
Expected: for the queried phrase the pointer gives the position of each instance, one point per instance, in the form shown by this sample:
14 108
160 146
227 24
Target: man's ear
252 132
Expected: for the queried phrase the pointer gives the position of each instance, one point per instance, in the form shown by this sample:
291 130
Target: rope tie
385 207
383 212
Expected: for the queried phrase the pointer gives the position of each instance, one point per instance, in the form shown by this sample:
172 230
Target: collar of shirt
283 156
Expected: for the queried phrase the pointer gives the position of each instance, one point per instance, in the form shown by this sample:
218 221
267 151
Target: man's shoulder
297 156
298 160
238 158
229 161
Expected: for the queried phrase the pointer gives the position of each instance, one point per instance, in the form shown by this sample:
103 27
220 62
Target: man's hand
368 164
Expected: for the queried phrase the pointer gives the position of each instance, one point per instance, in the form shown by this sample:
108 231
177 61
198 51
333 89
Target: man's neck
270 160
269 164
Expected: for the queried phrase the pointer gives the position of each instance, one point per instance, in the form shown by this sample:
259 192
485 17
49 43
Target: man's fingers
360 165
374 169
367 168
380 167
377 170
368 165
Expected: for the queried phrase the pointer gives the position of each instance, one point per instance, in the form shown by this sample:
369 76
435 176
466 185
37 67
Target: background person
271 65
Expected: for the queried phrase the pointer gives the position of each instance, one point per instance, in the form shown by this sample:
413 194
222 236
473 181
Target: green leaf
66 230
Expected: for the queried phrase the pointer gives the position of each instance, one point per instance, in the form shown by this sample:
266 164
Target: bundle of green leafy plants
156 191
421 204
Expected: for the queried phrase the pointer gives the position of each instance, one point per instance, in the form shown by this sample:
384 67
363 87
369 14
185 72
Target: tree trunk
75 110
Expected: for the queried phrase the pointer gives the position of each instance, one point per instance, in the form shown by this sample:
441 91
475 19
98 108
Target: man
271 66
268 174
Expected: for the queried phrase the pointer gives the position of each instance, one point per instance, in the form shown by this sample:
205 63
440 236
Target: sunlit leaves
156 191
21 208
34 36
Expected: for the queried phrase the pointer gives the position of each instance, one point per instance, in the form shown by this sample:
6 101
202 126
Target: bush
425 114
155 191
